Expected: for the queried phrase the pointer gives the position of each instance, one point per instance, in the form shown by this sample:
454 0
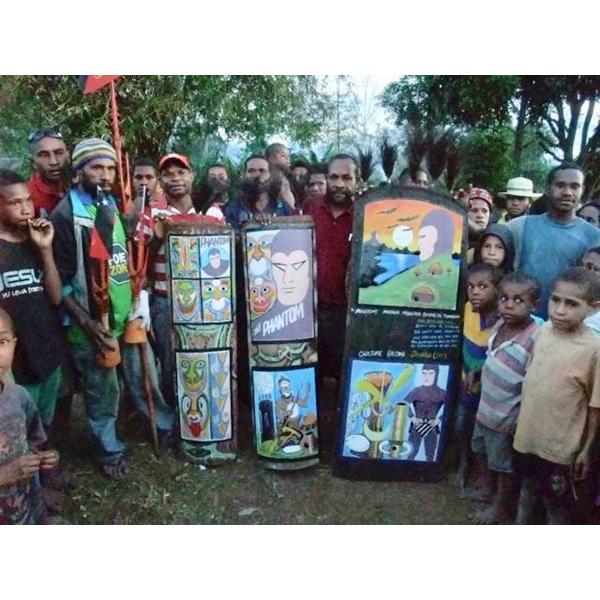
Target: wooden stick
149 397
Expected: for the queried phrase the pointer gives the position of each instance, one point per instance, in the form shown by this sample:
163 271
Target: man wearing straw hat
519 195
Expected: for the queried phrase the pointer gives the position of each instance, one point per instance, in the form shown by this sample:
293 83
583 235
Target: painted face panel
263 294
184 256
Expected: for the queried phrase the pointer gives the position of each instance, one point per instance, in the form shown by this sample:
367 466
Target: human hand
49 459
141 310
159 227
41 233
100 337
21 469
263 218
581 466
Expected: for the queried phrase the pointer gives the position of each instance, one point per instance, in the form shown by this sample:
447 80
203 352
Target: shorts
497 446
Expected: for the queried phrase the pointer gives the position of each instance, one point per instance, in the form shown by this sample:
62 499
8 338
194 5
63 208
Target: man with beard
176 177
89 226
214 191
50 157
333 225
258 197
548 244
298 181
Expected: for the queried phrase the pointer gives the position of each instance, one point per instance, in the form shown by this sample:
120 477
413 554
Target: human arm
286 194
98 335
20 469
41 233
581 464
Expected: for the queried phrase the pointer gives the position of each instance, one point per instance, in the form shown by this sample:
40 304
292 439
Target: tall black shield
404 334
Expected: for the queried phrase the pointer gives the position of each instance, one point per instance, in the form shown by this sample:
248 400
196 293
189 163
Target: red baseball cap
481 194
180 158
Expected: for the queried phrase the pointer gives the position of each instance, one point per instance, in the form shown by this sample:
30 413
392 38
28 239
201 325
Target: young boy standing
509 349
560 407
30 289
479 318
22 439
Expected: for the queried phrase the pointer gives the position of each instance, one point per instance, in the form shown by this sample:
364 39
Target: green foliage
486 158
160 113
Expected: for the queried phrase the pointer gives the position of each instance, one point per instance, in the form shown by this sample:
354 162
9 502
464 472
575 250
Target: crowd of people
527 411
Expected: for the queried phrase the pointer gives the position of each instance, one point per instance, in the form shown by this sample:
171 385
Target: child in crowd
590 212
30 293
509 349
496 248
560 405
591 261
22 442
479 318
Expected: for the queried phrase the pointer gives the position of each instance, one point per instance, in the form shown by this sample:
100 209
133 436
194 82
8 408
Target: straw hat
520 186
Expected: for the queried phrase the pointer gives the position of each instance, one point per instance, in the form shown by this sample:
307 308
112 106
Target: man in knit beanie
89 231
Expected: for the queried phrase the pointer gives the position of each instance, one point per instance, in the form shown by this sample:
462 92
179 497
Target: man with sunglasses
50 158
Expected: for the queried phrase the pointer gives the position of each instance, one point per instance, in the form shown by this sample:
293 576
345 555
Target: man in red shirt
333 226
50 157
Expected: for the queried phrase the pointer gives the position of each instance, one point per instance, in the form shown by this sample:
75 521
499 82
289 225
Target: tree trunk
520 136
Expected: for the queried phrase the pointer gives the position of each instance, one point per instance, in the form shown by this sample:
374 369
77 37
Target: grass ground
166 490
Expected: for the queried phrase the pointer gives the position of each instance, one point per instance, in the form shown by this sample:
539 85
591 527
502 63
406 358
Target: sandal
117 470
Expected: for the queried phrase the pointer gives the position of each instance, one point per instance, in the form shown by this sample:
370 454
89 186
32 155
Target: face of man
257 168
51 159
316 186
428 377
176 180
291 274
299 174
16 206
516 206
479 213
218 173
215 260
566 190
98 172
144 176
421 179
341 181
281 158
285 388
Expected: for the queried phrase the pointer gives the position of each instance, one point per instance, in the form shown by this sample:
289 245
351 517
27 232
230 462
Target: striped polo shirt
158 268
502 379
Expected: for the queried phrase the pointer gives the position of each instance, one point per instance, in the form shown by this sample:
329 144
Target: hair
494 273
595 250
564 166
534 289
587 282
214 251
431 367
252 156
593 204
142 161
300 163
4 316
317 169
344 156
272 148
8 177
215 165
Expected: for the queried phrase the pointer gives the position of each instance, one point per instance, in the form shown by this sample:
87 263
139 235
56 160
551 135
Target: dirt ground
167 490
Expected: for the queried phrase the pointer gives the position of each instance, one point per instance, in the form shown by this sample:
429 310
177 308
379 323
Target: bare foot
491 516
117 470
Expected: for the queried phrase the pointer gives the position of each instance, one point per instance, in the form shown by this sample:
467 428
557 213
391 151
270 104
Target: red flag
92 83
98 249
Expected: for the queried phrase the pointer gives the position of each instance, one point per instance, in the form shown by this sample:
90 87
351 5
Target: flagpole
122 173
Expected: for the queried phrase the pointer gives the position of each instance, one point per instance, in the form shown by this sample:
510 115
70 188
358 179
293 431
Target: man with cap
547 245
176 177
50 158
90 231
518 196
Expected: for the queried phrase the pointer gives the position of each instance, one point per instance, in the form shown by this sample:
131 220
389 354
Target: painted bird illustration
259 255
389 211
216 300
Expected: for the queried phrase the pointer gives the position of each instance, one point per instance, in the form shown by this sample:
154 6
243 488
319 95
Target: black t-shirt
40 348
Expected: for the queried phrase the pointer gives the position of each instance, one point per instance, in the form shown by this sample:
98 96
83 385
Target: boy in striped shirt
509 350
